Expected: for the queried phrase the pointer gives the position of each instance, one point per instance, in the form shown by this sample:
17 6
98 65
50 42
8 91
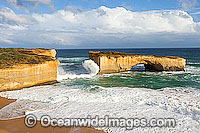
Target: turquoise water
71 62
122 95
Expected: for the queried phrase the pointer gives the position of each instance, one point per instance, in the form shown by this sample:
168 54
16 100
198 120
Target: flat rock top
16 56
111 53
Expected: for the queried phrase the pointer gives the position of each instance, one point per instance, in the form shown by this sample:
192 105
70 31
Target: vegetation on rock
15 56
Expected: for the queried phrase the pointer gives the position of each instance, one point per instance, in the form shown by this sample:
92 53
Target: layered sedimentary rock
113 62
46 52
26 75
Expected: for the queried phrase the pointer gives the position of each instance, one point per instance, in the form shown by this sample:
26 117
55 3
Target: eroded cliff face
112 62
49 52
26 75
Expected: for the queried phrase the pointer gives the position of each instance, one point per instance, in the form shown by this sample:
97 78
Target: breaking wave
89 65
192 69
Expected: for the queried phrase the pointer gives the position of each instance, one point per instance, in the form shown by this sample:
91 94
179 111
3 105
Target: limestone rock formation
20 75
113 62
49 52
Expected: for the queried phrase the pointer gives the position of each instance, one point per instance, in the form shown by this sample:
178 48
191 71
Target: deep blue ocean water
71 62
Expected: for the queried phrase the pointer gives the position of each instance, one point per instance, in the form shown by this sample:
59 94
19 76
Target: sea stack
114 62
21 68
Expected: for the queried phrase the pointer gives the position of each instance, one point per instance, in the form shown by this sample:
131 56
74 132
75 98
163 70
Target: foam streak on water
71 59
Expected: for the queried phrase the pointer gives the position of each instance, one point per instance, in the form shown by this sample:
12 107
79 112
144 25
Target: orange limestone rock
34 67
113 62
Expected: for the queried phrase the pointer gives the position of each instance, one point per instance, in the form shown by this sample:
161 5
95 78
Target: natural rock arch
112 62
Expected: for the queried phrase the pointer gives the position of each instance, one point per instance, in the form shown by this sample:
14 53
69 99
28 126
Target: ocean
71 62
80 92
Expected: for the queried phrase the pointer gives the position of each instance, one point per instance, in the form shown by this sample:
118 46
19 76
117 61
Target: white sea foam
73 102
191 63
72 59
89 65
192 69
66 64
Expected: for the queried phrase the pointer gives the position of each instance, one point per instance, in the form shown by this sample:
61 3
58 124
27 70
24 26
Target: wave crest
88 65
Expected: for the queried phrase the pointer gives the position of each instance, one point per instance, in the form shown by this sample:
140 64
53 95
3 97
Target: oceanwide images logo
106 121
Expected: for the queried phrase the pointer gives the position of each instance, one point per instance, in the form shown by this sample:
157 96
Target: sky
100 23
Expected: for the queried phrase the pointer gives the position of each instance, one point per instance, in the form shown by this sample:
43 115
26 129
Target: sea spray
88 65
91 67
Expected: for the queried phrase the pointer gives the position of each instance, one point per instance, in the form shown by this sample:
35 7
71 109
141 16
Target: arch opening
138 68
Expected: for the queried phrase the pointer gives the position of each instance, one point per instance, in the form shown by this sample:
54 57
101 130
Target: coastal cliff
113 62
21 68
